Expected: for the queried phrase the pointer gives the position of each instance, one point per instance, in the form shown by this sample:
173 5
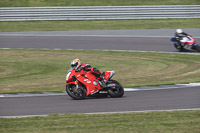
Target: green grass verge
44 70
154 122
36 3
98 25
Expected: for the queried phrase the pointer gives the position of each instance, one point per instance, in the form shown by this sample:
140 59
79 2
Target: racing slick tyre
117 91
76 93
178 47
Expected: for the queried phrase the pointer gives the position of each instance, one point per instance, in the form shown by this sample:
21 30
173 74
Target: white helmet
179 31
75 63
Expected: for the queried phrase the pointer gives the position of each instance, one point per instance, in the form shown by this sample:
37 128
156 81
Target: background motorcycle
187 43
82 84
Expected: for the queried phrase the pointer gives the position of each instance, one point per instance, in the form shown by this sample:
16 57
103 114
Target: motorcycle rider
179 35
76 63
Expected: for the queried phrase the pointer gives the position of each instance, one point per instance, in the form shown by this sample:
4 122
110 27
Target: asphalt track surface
180 98
136 40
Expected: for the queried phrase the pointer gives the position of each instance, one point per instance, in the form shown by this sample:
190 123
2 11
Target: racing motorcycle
187 43
82 84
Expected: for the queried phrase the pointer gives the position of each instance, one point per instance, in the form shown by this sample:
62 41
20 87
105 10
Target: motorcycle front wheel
117 91
76 93
178 47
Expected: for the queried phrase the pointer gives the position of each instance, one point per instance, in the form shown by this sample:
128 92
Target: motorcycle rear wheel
116 92
76 93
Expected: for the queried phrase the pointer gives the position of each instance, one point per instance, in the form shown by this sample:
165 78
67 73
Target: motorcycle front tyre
79 94
178 47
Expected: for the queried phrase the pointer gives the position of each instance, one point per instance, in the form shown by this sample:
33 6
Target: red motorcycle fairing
86 78
109 74
90 82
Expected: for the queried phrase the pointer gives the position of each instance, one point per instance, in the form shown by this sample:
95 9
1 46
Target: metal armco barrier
99 12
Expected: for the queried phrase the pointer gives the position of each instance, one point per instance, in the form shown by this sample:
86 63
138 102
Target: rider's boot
103 80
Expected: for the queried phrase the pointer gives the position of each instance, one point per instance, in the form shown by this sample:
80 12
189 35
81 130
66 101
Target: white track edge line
117 112
164 52
48 35
147 88
144 111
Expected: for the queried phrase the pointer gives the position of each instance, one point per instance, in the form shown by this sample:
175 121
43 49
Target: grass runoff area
34 71
154 122
98 25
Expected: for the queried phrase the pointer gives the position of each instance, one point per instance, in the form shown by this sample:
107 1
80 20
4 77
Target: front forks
76 83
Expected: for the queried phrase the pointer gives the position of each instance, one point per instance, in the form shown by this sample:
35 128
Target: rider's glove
78 69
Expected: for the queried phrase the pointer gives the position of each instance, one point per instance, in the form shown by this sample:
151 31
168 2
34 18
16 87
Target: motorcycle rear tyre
76 96
116 93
